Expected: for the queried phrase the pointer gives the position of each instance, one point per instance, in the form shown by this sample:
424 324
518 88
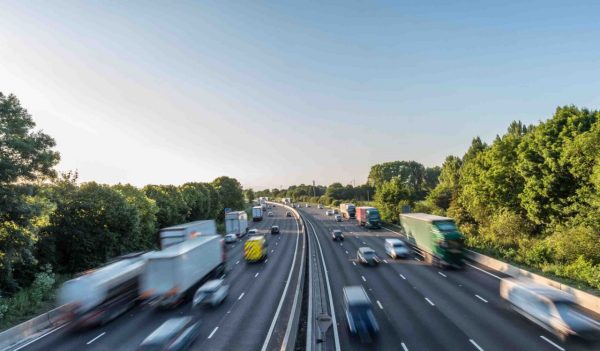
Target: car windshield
369 254
447 226
398 245
456 244
373 214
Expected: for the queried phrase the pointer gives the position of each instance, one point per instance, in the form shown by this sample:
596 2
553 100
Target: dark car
359 312
173 335
275 229
337 234
288 214
367 255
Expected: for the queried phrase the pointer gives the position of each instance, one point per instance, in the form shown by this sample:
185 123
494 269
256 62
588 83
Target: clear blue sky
278 93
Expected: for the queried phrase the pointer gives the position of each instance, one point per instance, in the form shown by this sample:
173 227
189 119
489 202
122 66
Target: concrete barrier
32 327
584 299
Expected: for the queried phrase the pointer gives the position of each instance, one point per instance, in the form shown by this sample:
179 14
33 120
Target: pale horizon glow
275 94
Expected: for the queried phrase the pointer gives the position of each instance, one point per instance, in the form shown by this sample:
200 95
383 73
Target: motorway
253 317
417 306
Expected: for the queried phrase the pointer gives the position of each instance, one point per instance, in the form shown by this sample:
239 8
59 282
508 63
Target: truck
368 217
100 295
435 238
348 210
236 223
173 274
257 213
181 232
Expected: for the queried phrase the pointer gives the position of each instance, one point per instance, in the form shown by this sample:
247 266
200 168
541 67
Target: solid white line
379 304
404 346
256 275
237 262
241 296
431 303
417 259
272 251
402 277
96 338
552 343
442 274
363 278
484 271
213 332
475 344
481 298
354 263
266 260
40 337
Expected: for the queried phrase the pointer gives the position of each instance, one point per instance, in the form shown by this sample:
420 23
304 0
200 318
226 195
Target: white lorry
236 223
181 232
173 274
257 213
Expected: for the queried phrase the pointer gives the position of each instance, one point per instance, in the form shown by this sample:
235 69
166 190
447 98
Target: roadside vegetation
52 226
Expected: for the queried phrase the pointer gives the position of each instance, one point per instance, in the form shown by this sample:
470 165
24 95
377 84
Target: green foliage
230 194
146 227
172 208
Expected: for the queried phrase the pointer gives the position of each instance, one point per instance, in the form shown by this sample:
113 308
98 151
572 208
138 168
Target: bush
572 243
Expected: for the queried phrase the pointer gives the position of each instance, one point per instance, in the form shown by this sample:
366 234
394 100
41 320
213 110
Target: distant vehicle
181 232
255 248
435 238
257 213
320 207
359 312
178 333
230 238
307 205
274 229
212 293
335 211
236 223
367 255
348 210
368 217
172 273
329 213
102 295
338 218
337 234
288 214
396 248
270 214
252 232
286 201
550 308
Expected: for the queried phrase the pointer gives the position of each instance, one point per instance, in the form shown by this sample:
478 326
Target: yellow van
255 248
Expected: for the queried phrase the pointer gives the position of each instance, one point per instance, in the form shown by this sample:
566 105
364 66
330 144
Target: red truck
368 217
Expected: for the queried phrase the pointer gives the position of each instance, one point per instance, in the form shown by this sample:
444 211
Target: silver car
230 238
338 218
213 292
396 248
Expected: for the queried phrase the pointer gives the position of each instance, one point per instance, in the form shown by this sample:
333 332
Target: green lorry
434 237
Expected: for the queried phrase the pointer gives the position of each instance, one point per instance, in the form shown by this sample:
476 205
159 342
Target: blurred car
174 334
367 255
396 248
270 214
338 218
288 214
307 205
335 212
274 229
252 232
230 238
320 207
329 213
550 308
337 234
359 312
213 293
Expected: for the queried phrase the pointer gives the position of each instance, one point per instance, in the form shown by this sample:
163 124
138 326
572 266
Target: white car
338 218
270 214
213 292
396 248
252 232
320 207
230 238
329 213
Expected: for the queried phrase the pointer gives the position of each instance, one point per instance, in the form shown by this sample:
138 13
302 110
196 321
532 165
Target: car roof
274 226
356 295
365 249
337 230
394 241
167 329
212 284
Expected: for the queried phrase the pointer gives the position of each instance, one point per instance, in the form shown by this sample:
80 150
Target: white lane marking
96 338
277 243
213 332
475 344
442 274
256 275
40 337
237 262
379 304
404 346
484 271
403 277
417 259
551 343
266 260
364 243
241 296
363 278
481 298
431 303
341 244
385 261
346 252
354 263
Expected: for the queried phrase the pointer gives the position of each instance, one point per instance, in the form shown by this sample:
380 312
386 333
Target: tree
146 229
172 208
197 199
25 156
249 194
230 192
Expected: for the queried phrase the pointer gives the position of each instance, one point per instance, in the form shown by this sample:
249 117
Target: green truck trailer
436 238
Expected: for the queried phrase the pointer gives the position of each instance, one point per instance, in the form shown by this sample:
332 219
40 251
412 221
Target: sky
276 93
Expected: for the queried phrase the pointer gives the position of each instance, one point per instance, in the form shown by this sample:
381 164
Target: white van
396 248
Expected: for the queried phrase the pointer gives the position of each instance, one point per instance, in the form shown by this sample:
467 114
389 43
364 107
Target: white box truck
236 223
172 274
181 232
257 213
